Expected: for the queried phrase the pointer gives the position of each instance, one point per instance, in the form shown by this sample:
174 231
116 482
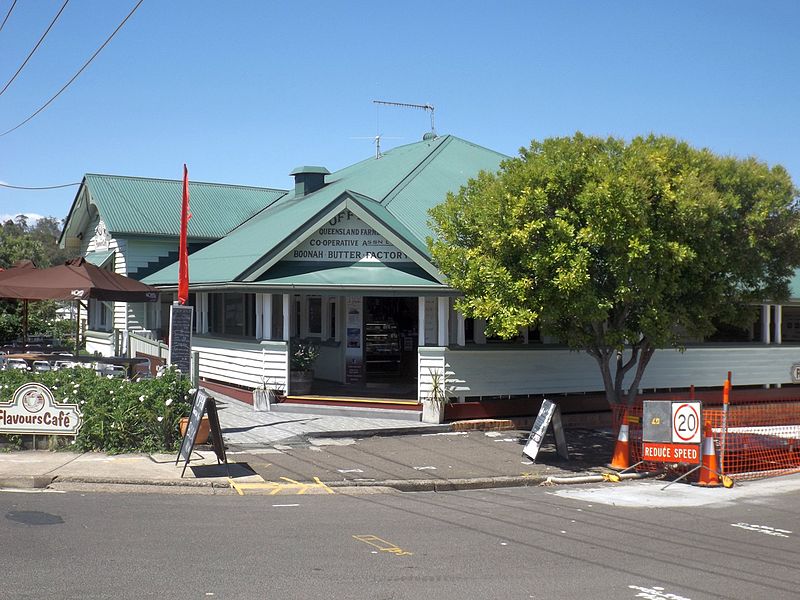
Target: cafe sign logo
32 409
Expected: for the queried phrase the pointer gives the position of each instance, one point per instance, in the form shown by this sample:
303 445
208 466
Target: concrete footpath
284 453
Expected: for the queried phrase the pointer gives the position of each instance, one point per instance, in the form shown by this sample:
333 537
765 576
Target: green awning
100 259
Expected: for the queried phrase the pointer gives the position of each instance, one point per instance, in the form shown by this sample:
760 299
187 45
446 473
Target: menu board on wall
354 351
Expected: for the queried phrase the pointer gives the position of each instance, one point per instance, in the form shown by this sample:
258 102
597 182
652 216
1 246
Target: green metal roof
398 189
100 259
142 206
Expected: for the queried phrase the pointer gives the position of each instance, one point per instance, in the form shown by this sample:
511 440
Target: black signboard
202 403
548 412
180 338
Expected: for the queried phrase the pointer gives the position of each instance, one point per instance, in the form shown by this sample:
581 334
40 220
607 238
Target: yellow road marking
275 487
382 545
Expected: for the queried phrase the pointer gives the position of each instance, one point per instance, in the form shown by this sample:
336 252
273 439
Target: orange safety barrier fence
759 438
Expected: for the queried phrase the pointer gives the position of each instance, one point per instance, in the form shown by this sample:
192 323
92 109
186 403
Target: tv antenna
376 139
425 107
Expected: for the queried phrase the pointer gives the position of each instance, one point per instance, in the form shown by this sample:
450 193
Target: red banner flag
183 253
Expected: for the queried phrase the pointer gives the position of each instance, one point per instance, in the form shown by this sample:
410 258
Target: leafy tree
619 248
39 243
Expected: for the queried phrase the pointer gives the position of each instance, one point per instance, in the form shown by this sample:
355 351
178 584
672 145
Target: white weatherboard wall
538 370
431 362
101 342
243 363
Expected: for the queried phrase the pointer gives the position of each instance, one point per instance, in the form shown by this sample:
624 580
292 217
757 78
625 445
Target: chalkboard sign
202 403
548 412
198 410
180 338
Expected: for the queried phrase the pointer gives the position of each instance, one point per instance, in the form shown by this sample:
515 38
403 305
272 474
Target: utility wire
46 187
36 47
8 14
74 77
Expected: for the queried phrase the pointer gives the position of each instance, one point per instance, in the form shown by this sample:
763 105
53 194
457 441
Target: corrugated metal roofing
142 206
398 189
100 259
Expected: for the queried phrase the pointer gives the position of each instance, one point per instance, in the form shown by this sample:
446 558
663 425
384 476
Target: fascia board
259 287
82 196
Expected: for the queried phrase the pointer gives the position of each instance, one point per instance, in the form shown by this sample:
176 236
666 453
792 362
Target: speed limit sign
686 423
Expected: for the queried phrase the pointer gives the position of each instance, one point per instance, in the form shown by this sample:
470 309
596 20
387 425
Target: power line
45 187
74 77
8 14
36 47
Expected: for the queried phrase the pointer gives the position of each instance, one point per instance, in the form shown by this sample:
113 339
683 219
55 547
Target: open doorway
390 340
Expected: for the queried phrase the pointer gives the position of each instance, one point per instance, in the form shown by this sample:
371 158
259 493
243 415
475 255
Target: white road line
424 468
765 529
40 491
350 470
656 593
284 505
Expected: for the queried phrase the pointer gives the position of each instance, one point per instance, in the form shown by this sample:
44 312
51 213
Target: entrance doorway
390 340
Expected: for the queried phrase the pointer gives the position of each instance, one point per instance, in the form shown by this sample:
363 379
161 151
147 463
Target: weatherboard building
342 260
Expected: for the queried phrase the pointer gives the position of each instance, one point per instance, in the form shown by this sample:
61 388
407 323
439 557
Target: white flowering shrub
118 415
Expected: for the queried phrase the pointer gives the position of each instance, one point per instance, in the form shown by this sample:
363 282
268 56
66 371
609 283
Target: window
232 314
314 315
332 317
100 315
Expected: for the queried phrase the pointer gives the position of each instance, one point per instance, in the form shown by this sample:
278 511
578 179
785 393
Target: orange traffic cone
621 459
709 472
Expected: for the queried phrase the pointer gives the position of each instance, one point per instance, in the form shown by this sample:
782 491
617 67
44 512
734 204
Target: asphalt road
622 541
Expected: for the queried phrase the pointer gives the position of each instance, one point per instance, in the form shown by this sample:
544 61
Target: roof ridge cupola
308 179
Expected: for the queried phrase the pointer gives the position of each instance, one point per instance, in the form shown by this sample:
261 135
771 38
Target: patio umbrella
19 267
74 280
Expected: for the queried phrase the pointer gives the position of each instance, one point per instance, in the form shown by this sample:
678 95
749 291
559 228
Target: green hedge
118 415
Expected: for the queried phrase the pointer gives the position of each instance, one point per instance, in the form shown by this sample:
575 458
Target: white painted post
257 307
461 333
287 298
202 312
266 313
421 321
443 320
778 324
765 324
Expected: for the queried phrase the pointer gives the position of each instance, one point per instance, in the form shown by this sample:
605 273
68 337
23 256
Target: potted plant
267 393
433 404
301 364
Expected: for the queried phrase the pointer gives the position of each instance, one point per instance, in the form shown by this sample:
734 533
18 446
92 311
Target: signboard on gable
346 239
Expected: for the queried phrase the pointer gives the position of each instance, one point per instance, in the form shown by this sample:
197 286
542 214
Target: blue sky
244 91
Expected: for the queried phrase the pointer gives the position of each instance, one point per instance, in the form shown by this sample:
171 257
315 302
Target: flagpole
183 251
